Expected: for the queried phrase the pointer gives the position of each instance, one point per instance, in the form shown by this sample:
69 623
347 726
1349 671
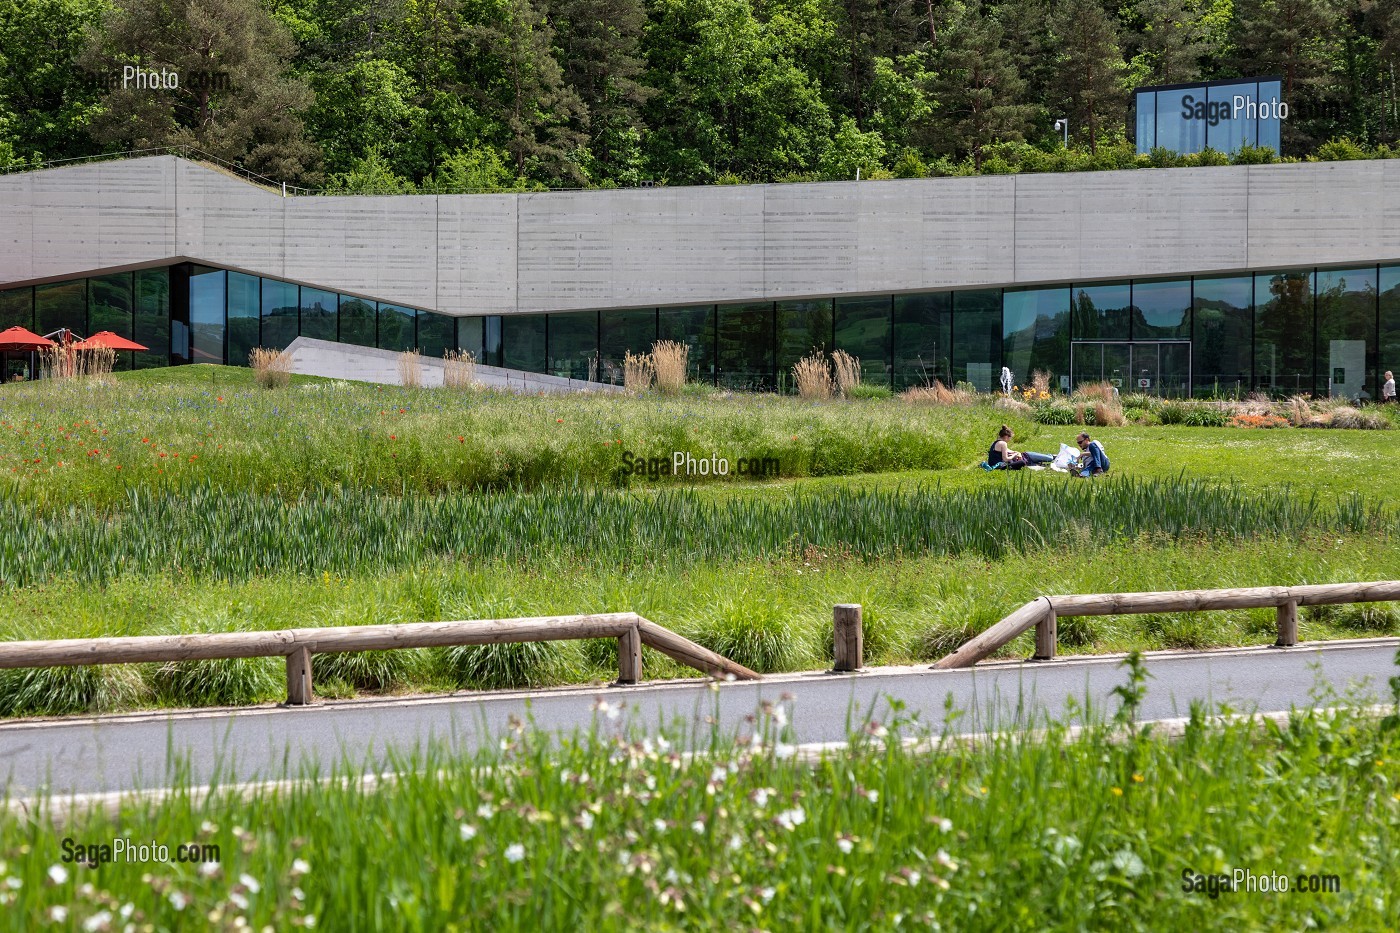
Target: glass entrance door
1156 368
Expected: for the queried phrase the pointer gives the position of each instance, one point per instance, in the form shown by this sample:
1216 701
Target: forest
461 95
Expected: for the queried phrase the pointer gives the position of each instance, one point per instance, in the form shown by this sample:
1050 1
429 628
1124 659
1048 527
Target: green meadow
190 500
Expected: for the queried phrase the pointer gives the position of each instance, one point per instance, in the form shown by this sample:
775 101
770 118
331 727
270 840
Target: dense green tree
47 99
1088 69
598 44
1027 39
978 90
867 30
901 104
1173 40
234 100
730 101
1296 39
520 87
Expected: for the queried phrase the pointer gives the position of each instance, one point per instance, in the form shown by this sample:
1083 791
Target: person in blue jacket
1093 461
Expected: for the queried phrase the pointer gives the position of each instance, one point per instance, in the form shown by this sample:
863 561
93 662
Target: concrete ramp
333 360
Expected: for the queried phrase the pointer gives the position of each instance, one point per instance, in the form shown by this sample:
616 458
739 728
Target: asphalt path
136 751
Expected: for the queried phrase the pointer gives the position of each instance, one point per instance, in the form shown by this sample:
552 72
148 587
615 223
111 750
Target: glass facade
1320 331
1223 115
1222 343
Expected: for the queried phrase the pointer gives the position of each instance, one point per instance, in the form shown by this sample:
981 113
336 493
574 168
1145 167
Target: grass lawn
189 499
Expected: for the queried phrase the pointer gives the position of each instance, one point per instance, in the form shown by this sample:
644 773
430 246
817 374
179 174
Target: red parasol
106 340
18 338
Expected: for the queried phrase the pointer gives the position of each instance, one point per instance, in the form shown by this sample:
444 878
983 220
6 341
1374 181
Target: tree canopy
455 94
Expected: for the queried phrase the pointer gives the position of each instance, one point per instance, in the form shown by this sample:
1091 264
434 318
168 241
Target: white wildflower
946 860
98 921
249 882
178 900
659 825
238 900
845 845
58 913
790 819
467 831
300 867
698 827
783 750
515 852
767 894
486 811
58 874
585 819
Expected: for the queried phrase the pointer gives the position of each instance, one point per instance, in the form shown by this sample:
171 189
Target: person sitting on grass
1093 461
1001 453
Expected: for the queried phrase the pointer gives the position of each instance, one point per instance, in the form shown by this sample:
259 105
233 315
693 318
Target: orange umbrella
18 338
106 340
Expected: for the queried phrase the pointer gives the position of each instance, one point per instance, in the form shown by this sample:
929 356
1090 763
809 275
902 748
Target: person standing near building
1388 388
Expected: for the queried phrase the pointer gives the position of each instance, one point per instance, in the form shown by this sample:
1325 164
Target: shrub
458 369
60 691
1205 416
1258 421
1014 405
368 670
1348 417
847 370
1172 413
1059 413
1095 392
1341 149
272 369
221 682
812 374
1254 155
863 391
963 385
1107 415
410 372
1040 382
670 360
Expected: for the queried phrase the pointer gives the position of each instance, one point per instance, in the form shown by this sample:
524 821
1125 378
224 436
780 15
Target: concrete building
1284 278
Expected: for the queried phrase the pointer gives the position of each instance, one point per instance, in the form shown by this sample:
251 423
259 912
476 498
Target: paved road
116 753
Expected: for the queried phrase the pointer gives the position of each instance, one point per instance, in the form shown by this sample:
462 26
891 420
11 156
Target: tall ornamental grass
208 532
624 827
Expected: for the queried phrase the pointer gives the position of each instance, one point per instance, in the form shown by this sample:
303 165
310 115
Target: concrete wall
556 251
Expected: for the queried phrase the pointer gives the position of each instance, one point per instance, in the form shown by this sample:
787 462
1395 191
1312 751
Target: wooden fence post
1046 635
629 656
1287 624
849 634
299 677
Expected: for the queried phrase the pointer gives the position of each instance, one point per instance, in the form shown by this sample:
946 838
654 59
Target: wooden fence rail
298 645
1044 613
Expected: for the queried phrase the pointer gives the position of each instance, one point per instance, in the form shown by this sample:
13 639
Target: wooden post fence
300 644
849 638
1043 614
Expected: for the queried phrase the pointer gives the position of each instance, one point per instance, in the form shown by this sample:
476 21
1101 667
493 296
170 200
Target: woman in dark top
1001 452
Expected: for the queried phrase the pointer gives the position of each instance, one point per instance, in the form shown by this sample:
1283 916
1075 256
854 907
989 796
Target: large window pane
357 321
977 338
244 316
153 318
437 333
320 311
109 308
923 331
60 306
1035 334
207 319
1283 332
1346 332
491 348
397 328
1231 132
694 327
1146 121
469 335
632 330
1390 320
863 329
17 308
573 344
280 311
803 326
746 346
1102 312
1178 129
1224 331
1270 93
522 342
1161 310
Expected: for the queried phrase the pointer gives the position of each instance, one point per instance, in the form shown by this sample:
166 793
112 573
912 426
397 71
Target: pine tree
1296 40
235 99
978 90
598 46
1173 40
1089 68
